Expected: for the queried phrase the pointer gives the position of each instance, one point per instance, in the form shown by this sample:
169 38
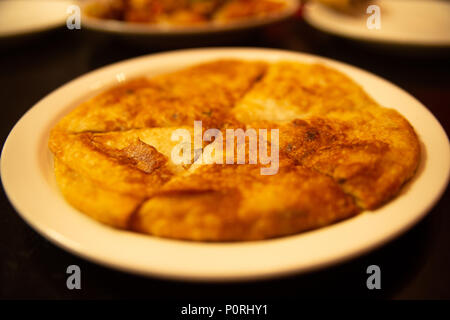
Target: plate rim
401 42
41 29
62 241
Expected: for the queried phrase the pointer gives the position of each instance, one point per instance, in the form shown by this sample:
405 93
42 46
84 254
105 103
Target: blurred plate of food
20 18
418 23
182 17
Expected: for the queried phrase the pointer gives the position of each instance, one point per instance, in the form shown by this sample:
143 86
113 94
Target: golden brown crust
115 168
329 123
296 90
371 163
236 202
340 152
106 206
205 92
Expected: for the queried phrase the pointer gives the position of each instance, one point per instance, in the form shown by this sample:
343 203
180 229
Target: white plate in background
424 23
22 17
160 30
28 179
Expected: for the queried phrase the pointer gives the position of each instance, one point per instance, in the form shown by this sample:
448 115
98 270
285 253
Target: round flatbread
337 152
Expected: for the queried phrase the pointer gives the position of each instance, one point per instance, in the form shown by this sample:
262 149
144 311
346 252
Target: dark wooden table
416 265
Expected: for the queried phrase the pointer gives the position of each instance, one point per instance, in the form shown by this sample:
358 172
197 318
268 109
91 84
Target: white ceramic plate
20 17
27 175
423 23
158 30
